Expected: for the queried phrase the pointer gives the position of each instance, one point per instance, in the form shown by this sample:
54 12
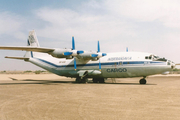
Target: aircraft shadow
122 83
48 82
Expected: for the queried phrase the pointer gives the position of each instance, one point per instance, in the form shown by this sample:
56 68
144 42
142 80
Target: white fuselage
114 65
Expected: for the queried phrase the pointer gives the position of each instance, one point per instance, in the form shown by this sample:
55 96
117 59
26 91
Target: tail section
31 41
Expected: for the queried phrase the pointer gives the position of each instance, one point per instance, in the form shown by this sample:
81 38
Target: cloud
86 27
11 24
165 11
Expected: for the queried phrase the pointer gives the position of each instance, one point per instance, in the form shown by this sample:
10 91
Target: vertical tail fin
31 41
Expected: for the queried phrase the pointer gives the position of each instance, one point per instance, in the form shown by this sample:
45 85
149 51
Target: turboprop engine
71 53
90 55
62 53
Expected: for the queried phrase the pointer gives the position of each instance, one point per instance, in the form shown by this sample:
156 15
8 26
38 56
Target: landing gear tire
84 80
79 80
95 80
101 80
142 81
98 80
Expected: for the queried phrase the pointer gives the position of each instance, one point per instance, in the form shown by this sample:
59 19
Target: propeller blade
104 54
94 55
73 43
80 52
98 47
178 64
75 64
99 65
67 53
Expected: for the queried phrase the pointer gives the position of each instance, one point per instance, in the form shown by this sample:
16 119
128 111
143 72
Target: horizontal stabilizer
27 48
19 58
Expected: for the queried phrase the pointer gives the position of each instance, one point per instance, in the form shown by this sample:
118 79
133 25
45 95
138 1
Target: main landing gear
98 80
83 80
142 81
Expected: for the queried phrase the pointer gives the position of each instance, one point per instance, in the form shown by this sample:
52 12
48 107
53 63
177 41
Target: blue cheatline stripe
97 64
134 62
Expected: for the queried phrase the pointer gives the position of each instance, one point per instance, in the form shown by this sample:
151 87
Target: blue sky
146 26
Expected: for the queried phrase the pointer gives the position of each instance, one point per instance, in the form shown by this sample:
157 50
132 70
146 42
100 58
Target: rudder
31 41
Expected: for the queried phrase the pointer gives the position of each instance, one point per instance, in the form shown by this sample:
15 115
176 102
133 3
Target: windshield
155 58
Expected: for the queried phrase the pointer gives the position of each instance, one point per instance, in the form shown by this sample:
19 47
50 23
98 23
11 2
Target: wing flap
26 48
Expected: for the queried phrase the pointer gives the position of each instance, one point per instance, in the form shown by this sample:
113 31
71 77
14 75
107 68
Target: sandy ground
47 96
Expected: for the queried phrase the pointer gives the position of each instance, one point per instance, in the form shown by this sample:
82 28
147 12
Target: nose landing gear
142 81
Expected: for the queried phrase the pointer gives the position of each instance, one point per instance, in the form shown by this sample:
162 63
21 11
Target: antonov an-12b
99 66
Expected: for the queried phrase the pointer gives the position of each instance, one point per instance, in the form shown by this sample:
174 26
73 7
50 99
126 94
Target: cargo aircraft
99 66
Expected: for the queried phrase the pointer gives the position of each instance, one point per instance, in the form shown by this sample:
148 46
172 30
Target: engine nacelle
88 55
62 53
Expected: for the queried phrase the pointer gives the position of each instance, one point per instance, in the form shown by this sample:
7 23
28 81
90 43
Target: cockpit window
155 58
161 59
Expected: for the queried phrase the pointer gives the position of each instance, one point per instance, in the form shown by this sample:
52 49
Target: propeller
75 52
100 55
73 48
74 63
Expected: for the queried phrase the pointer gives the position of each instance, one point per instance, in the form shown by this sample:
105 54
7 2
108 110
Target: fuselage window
146 57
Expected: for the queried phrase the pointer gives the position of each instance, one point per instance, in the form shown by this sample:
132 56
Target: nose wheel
142 81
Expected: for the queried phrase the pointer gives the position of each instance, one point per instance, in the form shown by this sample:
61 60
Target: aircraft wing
28 48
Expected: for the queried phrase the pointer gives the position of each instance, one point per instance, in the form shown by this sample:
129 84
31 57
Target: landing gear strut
83 78
142 81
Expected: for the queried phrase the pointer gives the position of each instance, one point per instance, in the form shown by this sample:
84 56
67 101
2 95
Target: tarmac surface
47 96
